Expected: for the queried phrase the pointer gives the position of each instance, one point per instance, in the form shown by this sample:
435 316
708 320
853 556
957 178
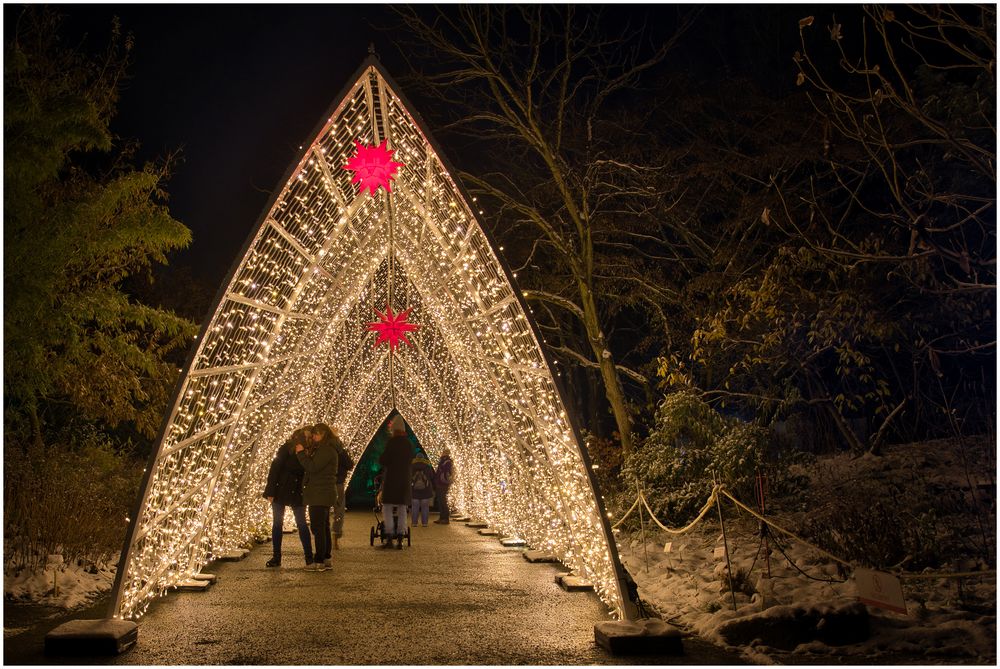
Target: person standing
319 492
421 488
283 489
395 461
443 478
344 465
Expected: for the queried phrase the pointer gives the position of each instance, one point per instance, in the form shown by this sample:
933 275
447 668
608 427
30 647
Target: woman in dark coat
319 489
395 461
284 488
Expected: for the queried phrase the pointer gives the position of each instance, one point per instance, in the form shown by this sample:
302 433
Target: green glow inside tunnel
361 487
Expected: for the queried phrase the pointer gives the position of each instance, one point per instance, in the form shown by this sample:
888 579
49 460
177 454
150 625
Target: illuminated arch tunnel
289 344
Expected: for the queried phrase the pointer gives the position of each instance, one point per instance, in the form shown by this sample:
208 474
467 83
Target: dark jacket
395 461
422 466
284 479
445 474
318 486
344 461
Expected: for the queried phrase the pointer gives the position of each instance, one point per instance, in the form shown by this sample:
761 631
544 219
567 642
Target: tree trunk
612 383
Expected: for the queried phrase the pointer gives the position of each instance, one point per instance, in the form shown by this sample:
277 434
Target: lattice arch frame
287 344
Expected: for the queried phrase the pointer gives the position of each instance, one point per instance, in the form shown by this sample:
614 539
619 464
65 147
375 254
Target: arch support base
105 636
649 636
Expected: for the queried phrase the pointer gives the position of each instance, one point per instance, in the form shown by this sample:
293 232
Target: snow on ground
63 585
684 577
948 620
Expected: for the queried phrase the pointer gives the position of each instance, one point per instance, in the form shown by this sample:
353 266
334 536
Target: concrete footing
650 636
192 585
235 556
476 525
513 542
211 578
572 583
107 636
539 556
489 532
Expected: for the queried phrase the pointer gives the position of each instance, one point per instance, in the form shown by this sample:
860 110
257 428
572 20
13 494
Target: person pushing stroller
395 461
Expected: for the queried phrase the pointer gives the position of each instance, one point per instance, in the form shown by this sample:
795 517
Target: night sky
237 89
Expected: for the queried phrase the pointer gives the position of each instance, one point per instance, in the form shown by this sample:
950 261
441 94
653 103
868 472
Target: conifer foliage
84 362
78 220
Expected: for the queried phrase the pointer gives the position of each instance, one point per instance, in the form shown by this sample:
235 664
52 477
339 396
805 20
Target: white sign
667 547
878 588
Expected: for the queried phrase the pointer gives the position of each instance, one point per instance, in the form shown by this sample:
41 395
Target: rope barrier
627 514
770 523
781 529
701 514
957 574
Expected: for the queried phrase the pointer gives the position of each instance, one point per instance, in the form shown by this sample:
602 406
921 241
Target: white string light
289 346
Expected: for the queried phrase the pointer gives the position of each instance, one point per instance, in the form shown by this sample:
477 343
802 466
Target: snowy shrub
71 498
867 524
916 506
740 581
689 443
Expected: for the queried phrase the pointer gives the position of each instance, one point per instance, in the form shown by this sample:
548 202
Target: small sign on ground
878 588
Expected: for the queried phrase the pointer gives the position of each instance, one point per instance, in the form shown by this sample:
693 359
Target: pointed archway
289 343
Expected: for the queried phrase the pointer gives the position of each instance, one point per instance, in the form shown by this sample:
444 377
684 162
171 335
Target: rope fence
719 490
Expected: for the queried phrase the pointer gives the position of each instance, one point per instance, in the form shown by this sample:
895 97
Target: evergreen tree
78 221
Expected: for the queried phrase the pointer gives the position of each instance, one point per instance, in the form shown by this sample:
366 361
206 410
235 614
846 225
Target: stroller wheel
371 541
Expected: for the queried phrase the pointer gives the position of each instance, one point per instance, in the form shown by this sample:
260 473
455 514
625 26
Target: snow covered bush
689 443
924 506
868 525
70 498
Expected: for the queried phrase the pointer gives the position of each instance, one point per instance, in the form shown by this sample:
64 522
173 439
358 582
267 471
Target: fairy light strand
289 345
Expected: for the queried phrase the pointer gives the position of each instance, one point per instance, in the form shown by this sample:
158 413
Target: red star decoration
392 327
373 166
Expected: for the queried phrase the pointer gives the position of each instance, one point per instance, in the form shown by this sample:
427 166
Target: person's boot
273 562
388 543
399 543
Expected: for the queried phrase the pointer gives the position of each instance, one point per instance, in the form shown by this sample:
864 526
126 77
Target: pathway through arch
292 341
453 598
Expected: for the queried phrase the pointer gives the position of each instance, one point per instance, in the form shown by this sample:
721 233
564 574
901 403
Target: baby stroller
378 530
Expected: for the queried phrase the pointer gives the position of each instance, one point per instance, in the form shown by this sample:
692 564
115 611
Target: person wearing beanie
443 477
395 461
421 489
319 491
283 489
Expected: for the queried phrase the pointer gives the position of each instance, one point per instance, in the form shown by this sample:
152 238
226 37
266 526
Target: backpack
420 480
445 473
